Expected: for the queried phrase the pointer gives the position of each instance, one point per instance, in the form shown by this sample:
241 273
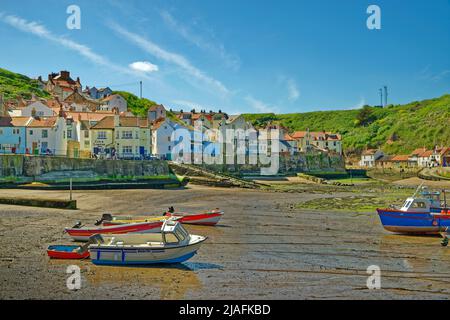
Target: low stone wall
45 203
36 166
289 164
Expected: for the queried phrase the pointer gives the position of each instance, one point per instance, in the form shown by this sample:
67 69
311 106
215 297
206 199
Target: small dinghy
80 233
68 252
209 218
172 245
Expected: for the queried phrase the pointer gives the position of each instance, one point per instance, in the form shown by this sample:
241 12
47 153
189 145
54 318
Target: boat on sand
173 244
208 218
423 213
81 233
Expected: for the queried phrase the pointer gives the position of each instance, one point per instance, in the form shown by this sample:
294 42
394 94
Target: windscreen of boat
171 238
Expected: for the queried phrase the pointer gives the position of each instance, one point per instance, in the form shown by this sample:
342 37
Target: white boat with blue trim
173 244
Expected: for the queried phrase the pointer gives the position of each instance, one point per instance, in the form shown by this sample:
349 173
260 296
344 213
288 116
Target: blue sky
237 56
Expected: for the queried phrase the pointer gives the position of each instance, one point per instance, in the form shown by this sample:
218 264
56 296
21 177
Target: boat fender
435 223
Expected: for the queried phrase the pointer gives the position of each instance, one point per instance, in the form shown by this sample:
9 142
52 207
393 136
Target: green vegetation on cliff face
136 105
13 85
396 129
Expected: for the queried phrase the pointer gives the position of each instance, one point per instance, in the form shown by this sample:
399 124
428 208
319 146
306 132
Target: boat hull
206 219
141 256
83 234
66 252
413 222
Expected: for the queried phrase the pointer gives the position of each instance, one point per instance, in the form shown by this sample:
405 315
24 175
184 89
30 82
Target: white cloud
218 49
294 92
170 57
41 31
261 106
144 66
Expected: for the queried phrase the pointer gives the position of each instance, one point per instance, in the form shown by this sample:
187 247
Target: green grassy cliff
14 84
396 129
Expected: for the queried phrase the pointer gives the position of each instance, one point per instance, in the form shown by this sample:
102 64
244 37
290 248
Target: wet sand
262 249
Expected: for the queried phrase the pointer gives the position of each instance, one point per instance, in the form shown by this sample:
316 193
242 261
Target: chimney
65 75
116 121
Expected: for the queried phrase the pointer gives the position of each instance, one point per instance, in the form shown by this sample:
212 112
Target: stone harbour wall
36 166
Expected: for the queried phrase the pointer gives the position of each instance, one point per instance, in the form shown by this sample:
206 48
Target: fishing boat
172 245
68 252
423 213
81 233
209 218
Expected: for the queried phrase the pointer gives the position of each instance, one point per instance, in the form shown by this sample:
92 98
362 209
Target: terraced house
13 134
121 137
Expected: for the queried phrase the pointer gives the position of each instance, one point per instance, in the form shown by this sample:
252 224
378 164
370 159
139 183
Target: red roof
400 158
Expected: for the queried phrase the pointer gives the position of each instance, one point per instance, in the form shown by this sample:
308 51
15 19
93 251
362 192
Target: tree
365 116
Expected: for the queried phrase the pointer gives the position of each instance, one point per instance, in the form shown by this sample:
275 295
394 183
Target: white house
34 108
114 101
47 136
369 156
162 144
425 159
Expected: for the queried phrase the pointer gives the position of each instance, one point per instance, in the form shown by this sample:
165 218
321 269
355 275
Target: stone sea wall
301 162
42 166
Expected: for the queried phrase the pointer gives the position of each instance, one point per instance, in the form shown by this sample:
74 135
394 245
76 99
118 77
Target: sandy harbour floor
262 249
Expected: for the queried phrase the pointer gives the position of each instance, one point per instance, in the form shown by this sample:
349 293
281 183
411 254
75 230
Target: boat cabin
172 233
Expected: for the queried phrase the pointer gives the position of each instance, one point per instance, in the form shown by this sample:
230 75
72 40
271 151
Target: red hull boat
67 252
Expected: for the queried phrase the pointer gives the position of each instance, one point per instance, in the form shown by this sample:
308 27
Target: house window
69 134
87 143
86 134
31 132
101 135
45 133
127 150
127 135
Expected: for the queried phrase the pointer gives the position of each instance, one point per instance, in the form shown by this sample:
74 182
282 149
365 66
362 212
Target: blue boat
420 214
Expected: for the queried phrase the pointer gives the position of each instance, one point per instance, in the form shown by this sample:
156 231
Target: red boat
80 233
68 252
209 218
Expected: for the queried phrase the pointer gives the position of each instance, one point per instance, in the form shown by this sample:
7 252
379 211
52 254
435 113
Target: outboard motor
105 217
77 225
171 209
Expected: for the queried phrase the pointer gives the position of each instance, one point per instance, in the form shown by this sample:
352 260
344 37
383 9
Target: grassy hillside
136 105
396 129
14 84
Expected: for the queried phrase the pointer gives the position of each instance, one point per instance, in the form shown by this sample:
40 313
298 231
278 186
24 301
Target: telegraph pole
140 89
385 95
381 97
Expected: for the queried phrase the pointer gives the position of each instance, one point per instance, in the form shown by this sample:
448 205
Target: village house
441 156
121 137
114 102
79 99
13 134
47 136
322 141
414 156
369 157
156 112
384 162
35 109
162 144
62 85
401 161
98 94
425 159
